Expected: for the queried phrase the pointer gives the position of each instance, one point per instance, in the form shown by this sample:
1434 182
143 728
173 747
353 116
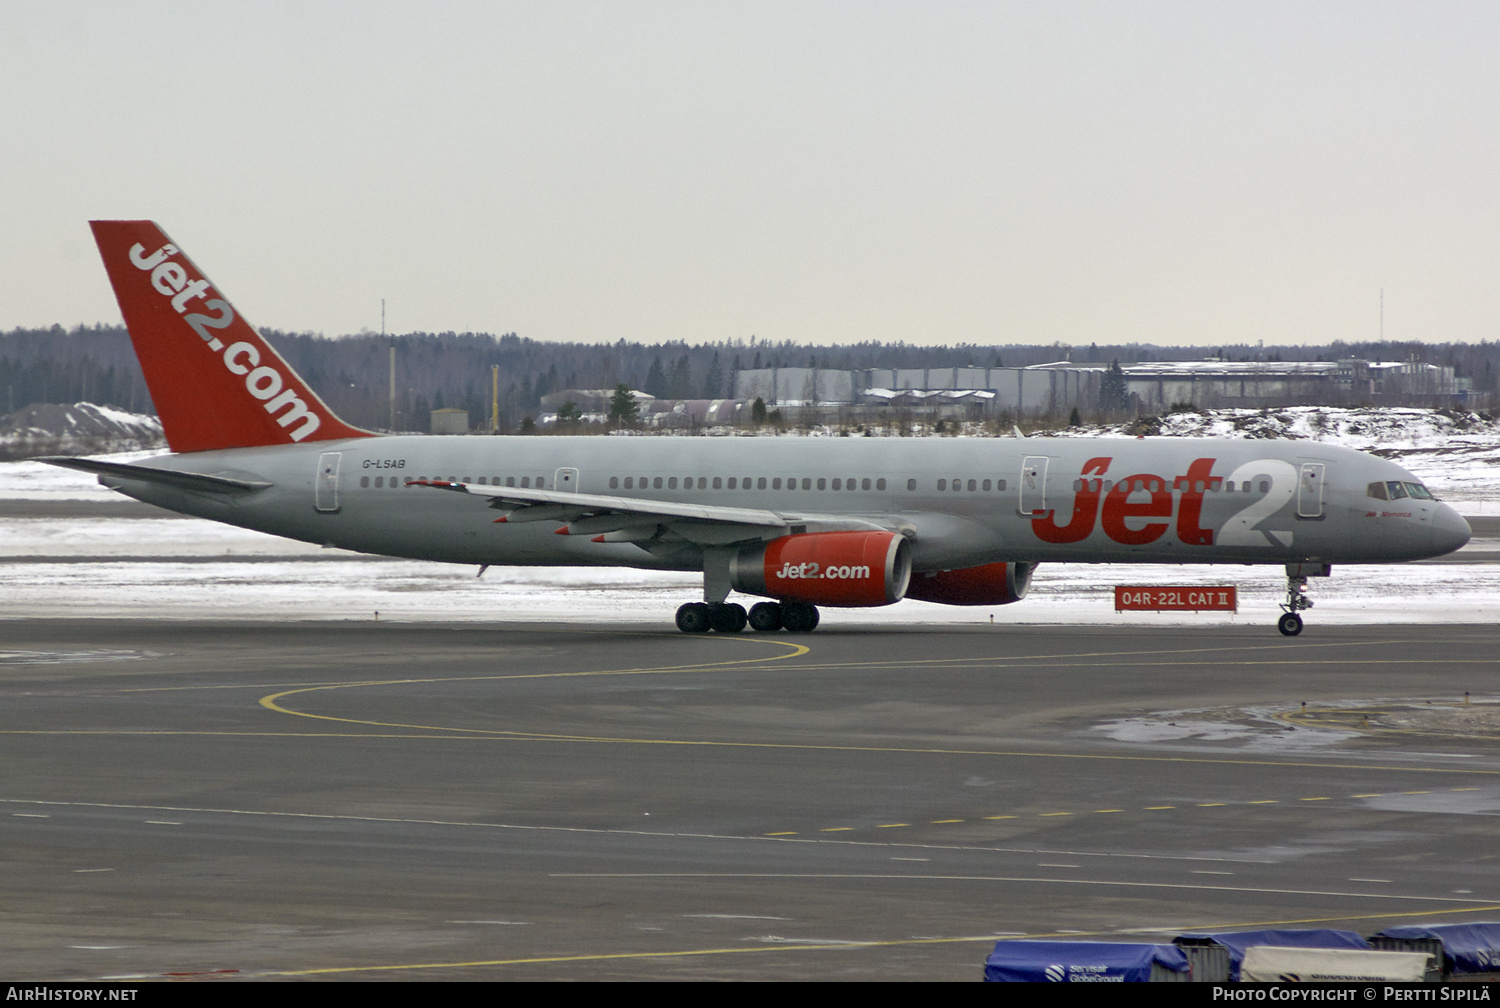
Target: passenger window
879 484
838 484
614 482
986 485
364 481
510 481
1265 486
822 483
942 484
656 483
718 483
911 484
973 485
775 483
672 483
526 481
760 484
806 483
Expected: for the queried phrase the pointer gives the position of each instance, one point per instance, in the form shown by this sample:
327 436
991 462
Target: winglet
215 382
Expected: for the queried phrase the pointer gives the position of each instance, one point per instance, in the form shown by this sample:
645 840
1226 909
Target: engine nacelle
826 568
989 584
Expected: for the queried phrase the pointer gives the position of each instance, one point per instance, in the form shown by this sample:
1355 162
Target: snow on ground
199 569
348 587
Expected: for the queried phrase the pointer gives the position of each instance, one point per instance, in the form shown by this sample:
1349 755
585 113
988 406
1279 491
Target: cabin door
1310 490
326 489
1034 485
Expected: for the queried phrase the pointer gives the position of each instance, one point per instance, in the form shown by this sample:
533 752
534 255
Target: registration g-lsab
802 522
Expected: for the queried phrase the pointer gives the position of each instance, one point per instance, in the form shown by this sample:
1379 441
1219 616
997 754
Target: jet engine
989 584
826 568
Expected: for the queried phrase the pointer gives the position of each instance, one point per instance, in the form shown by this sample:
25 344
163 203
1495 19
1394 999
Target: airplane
800 523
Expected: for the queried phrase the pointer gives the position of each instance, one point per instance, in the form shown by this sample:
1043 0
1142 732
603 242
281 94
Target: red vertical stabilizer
215 382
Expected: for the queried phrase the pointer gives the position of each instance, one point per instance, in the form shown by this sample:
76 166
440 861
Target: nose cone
1449 531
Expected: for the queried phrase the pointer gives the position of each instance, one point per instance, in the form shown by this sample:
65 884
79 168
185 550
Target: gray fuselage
961 501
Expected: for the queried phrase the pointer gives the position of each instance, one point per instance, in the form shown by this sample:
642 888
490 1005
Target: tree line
439 370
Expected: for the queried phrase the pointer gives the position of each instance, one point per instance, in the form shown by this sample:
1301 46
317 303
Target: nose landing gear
1289 623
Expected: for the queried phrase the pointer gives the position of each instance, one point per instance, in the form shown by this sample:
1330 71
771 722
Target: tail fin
215 382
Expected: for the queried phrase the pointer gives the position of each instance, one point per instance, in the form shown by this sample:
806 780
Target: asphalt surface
417 801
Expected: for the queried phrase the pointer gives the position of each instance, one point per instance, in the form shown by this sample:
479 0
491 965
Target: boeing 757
801 523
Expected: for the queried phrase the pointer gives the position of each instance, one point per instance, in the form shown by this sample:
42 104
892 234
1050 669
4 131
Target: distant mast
392 425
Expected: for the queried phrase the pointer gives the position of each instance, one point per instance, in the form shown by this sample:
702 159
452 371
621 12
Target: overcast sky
930 172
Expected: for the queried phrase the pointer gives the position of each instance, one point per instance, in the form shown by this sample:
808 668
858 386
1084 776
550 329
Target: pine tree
623 410
1114 390
656 380
713 383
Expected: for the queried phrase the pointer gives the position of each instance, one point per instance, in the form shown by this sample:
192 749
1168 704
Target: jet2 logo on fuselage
1147 496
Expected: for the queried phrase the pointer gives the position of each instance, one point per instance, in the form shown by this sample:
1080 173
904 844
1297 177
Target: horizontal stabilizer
149 474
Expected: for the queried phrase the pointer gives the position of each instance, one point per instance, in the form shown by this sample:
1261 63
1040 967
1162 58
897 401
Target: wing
633 519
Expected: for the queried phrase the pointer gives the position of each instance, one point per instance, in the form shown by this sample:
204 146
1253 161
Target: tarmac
242 799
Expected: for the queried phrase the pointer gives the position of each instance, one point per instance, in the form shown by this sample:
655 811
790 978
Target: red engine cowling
826 568
990 584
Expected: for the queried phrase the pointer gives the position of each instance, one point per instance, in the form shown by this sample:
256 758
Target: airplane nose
1449 530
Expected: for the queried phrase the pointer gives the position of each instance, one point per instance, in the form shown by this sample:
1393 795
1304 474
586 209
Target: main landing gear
715 614
730 617
1289 623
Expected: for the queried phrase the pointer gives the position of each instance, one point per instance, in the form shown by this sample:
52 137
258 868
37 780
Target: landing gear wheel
726 617
693 618
1290 624
765 617
799 617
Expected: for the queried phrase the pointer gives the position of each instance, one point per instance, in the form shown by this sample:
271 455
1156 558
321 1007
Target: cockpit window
1397 489
1419 491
